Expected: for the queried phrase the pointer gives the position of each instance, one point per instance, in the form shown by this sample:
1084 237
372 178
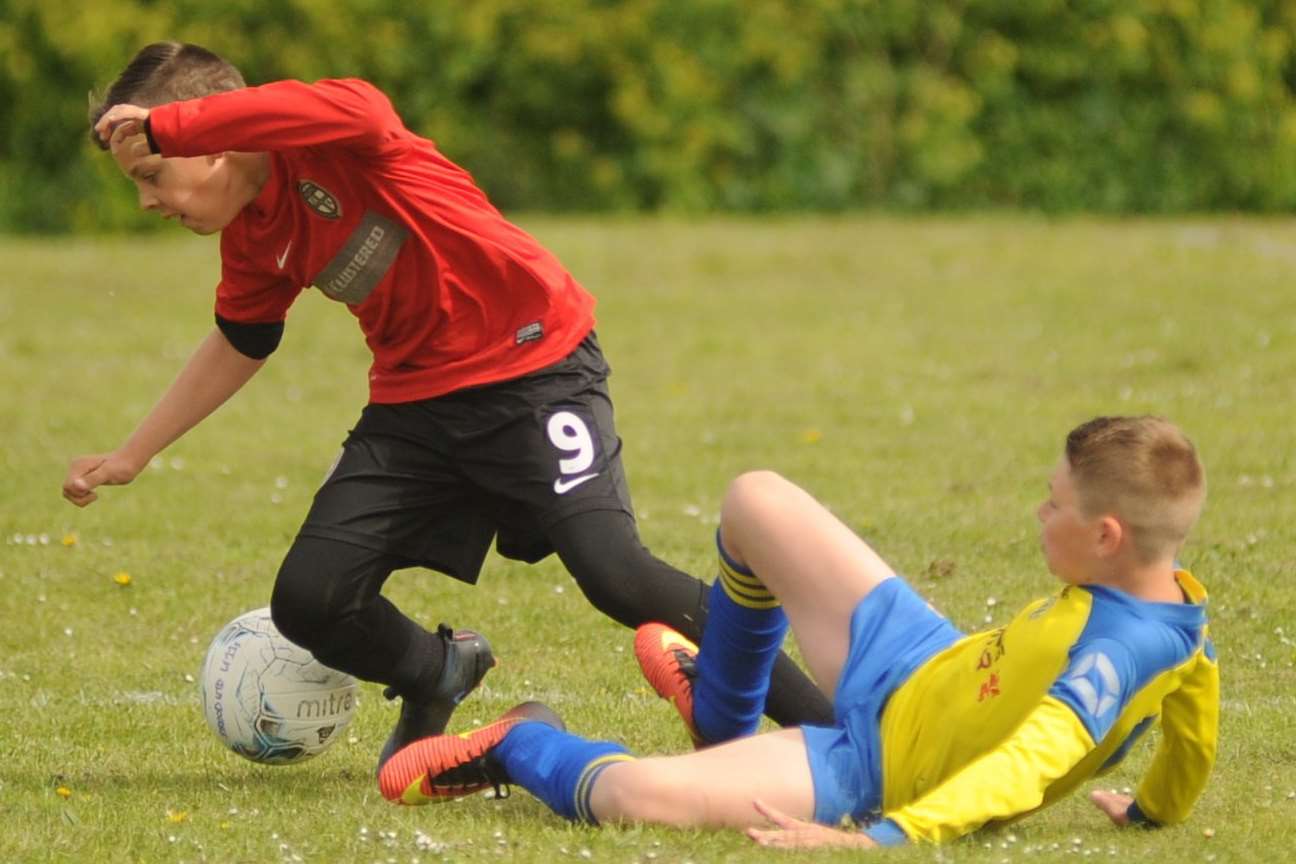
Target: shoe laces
686 664
486 768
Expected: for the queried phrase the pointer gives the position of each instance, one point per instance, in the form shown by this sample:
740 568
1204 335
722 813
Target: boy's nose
147 200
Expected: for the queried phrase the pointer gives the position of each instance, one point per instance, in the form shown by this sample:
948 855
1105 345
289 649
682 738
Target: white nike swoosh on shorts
562 486
284 257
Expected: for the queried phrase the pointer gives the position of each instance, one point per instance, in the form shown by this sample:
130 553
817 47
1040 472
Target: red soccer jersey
448 293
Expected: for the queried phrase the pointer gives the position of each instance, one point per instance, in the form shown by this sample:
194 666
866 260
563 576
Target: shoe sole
656 647
423 772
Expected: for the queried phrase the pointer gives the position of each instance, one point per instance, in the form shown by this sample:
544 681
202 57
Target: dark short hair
165 72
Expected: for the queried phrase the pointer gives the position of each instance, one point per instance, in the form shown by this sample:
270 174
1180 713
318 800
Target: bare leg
714 787
817 567
820 570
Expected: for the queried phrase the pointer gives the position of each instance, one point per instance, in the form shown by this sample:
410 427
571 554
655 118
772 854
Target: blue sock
743 634
557 767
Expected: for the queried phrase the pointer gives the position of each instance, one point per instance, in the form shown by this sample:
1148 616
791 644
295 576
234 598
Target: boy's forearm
1185 755
275 116
214 373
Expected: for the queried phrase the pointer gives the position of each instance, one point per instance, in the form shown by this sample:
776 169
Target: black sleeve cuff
148 135
257 341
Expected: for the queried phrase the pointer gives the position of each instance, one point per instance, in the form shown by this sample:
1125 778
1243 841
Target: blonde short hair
1145 471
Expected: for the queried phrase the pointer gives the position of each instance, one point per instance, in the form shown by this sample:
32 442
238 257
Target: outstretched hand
792 833
1114 804
87 472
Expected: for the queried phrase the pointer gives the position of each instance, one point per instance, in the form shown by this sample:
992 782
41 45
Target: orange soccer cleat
444 767
669 662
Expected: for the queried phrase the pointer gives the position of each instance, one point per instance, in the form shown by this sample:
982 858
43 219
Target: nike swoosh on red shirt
284 257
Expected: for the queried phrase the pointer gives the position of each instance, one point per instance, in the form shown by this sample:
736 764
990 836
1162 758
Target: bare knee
746 506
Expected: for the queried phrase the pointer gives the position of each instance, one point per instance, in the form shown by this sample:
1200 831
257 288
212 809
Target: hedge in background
698 105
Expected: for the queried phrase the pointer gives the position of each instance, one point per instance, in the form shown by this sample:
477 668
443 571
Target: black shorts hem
575 506
409 557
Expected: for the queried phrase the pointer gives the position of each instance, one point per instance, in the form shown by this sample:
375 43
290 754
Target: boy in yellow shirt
936 733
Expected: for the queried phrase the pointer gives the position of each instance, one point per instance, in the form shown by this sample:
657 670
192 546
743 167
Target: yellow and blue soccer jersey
1003 722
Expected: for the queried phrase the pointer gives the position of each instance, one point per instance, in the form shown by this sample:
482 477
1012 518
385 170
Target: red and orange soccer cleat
669 662
445 767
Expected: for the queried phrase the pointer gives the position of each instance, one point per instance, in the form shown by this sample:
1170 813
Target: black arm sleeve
148 136
257 341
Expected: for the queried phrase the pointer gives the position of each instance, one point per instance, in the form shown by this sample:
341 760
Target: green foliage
695 105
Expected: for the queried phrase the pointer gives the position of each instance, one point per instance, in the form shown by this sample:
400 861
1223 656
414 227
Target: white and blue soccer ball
268 699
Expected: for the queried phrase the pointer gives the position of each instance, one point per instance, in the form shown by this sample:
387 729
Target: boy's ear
1111 532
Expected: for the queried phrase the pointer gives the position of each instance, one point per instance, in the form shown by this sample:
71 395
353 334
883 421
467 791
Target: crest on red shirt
320 199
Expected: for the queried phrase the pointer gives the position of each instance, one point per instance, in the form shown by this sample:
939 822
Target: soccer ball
268 699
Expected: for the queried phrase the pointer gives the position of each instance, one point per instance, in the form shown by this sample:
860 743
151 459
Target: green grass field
917 375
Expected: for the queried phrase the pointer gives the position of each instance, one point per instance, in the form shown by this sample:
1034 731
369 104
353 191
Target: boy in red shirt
489 414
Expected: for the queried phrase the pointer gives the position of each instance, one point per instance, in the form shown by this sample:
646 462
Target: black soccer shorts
434 481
